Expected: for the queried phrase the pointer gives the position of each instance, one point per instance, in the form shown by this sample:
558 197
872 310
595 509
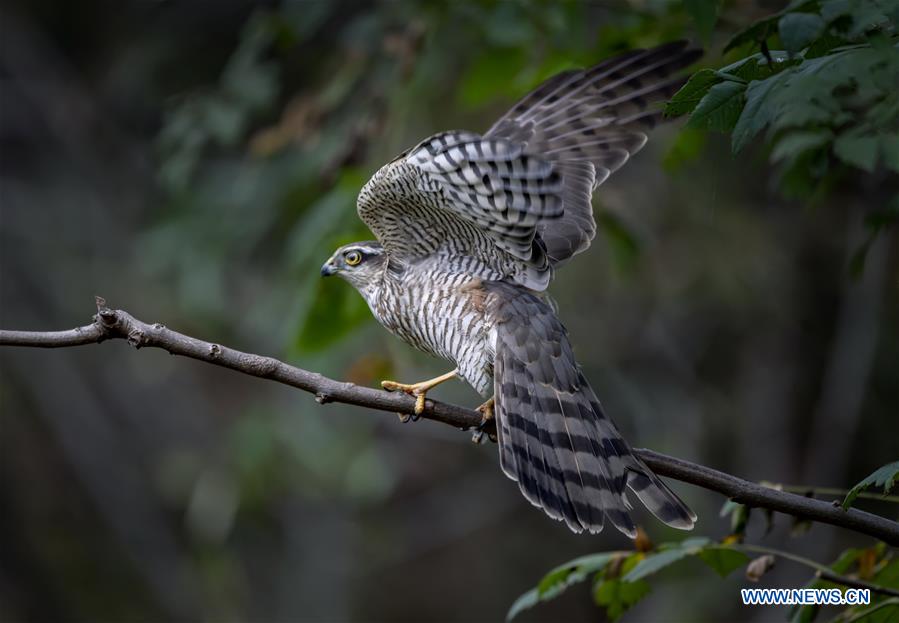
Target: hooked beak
328 268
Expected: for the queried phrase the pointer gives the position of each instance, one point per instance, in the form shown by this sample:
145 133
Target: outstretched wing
517 201
554 438
599 115
469 199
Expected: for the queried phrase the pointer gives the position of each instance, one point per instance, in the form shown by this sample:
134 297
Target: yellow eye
352 258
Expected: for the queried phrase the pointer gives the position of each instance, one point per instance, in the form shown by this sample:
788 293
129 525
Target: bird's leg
487 414
419 389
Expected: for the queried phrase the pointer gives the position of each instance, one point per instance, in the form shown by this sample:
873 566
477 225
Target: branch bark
117 324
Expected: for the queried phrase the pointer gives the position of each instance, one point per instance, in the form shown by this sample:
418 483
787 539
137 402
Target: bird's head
358 263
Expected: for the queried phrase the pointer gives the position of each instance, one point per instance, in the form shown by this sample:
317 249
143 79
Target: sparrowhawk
471 228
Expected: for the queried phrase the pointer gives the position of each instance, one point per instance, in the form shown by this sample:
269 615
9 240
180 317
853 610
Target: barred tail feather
555 440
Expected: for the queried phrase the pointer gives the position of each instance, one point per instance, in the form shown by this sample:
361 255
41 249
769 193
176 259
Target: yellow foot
486 410
419 390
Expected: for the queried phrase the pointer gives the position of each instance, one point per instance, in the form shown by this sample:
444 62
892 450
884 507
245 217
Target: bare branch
117 324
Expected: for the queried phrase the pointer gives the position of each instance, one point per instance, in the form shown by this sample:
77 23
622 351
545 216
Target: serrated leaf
617 596
859 151
720 108
656 562
799 30
758 111
884 477
689 95
723 560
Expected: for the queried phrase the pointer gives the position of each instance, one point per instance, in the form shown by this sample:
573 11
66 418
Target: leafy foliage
827 99
878 565
619 577
883 477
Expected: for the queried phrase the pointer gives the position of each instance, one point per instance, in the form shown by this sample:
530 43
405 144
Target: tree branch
117 324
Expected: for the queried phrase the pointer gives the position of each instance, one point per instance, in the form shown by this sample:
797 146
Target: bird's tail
554 438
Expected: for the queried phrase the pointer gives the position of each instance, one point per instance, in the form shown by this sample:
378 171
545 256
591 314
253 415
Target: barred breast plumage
441 313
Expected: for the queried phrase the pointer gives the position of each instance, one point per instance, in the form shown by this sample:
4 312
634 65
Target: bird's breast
442 314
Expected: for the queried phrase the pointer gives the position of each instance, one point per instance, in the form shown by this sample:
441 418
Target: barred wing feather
554 437
518 198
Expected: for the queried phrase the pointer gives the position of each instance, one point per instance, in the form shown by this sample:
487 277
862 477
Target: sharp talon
486 411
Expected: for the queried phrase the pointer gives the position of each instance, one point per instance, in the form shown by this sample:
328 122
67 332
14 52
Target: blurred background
195 163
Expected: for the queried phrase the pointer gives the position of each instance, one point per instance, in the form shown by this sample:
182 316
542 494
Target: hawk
470 229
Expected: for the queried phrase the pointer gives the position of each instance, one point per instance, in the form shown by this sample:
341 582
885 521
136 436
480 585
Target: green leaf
723 560
758 32
720 108
758 111
884 477
757 67
799 30
689 95
572 572
764 28
795 144
855 17
560 578
859 151
528 600
617 596
704 14
656 562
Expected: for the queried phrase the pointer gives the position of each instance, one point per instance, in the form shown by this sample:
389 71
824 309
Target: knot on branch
137 338
323 398
106 319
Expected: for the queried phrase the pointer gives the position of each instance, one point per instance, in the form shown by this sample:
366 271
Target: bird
470 230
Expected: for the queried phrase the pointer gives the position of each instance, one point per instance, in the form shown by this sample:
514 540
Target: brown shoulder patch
476 293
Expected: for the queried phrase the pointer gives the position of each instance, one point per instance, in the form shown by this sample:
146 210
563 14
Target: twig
832 491
821 571
117 324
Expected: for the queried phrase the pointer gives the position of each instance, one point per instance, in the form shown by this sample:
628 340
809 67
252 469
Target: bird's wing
599 116
554 438
472 199
517 200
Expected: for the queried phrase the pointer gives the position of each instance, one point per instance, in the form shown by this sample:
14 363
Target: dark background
196 162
